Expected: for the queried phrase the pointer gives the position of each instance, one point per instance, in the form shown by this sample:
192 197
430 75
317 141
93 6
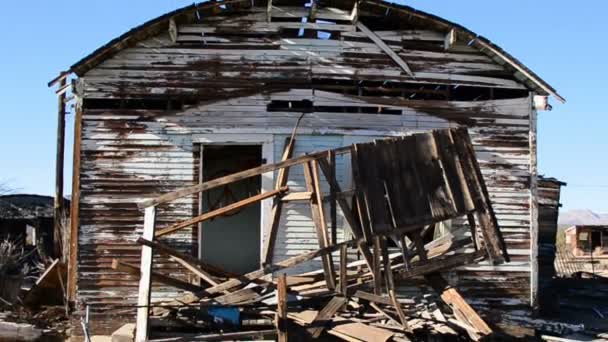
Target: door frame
267 181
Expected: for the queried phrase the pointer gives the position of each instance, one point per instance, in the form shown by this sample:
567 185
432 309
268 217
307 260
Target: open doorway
232 241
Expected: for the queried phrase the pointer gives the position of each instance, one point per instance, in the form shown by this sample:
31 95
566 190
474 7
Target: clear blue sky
563 42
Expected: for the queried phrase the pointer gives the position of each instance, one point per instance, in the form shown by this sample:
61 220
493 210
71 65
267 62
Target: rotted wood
311 176
277 206
221 211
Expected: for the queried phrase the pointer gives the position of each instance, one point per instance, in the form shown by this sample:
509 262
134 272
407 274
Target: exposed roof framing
191 14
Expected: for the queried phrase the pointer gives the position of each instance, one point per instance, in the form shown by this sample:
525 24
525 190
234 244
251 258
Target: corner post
58 212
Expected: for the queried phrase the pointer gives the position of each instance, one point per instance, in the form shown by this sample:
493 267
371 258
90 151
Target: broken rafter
382 45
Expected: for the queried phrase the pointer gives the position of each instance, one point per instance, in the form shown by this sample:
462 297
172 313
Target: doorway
231 241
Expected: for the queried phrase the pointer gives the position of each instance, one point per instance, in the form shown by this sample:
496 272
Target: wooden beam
343 268
75 203
281 316
145 278
453 298
155 276
325 315
196 270
168 251
277 208
221 211
297 196
333 212
168 197
382 45
311 176
58 214
269 11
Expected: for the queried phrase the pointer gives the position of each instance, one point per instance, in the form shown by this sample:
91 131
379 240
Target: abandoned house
28 221
587 240
217 87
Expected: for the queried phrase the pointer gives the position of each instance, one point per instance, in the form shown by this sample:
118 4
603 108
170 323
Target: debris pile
403 189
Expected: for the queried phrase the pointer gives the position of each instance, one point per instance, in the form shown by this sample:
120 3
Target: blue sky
564 44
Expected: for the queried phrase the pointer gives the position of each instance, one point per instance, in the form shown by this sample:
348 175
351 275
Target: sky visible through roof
564 45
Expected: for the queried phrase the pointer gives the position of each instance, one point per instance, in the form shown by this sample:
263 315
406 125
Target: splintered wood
403 189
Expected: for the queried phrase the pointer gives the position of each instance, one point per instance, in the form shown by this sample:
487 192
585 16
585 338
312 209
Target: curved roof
160 24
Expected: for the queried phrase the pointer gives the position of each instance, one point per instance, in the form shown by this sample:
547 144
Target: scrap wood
325 315
342 327
168 251
157 277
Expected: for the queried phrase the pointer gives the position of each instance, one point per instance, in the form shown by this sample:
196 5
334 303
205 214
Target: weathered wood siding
233 73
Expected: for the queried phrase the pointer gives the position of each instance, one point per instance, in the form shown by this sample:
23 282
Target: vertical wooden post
311 176
331 157
376 273
281 318
59 161
343 278
534 209
143 299
75 204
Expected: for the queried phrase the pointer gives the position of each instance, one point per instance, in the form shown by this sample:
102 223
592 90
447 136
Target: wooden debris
403 188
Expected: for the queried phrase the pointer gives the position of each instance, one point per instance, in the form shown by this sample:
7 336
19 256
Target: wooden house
587 240
216 87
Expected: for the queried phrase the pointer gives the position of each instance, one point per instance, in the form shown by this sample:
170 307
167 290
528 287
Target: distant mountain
581 217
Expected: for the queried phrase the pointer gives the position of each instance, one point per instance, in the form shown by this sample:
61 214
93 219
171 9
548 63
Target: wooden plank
221 211
168 251
343 267
145 278
325 315
358 331
382 45
281 316
196 270
275 215
297 196
397 305
313 185
237 177
155 276
238 297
